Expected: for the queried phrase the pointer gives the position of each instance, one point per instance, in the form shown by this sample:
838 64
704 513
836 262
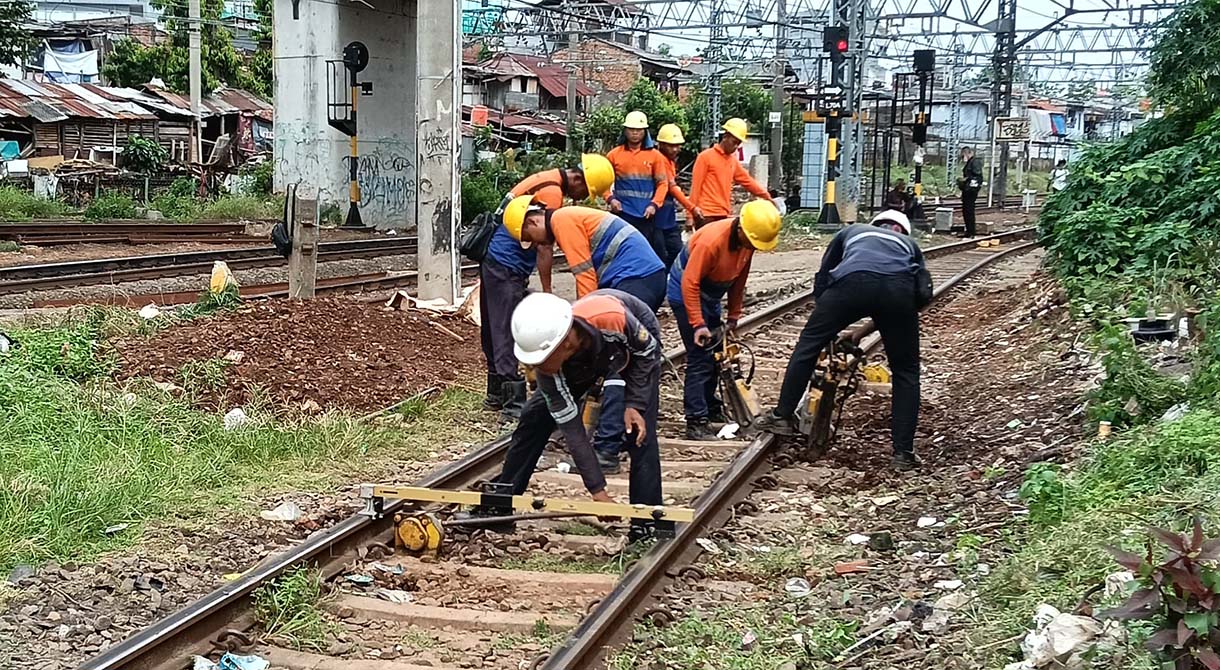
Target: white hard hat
540 323
893 216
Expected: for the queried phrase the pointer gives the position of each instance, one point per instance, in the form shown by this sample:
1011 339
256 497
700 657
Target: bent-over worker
716 170
603 251
505 271
572 347
867 271
715 261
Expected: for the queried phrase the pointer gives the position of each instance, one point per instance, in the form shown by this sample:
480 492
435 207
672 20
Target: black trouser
500 290
699 399
650 290
890 301
535 428
970 198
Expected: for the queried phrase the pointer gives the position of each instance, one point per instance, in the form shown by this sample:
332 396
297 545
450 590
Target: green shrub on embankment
1137 231
19 205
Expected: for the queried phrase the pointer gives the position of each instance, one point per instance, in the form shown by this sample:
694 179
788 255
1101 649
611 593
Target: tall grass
16 204
80 454
240 207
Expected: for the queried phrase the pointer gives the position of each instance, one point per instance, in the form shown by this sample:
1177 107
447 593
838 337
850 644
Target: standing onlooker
640 178
1059 176
970 183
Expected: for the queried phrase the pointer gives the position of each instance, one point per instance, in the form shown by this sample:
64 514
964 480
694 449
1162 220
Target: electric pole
195 66
1005 59
777 97
571 144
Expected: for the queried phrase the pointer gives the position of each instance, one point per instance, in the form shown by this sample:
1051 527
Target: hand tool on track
835 379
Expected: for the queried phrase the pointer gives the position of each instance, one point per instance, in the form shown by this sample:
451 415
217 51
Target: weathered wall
307 149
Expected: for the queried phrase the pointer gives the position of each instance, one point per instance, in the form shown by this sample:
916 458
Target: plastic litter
360 580
115 529
708 546
222 278
728 432
563 467
798 587
236 418
395 596
857 538
926 521
391 569
285 511
231 661
1116 583
149 312
948 584
1176 412
1058 639
748 640
7 343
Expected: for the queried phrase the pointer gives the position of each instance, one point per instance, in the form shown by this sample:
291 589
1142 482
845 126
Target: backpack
477 238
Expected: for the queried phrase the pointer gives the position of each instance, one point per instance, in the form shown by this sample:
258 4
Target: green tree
1184 75
133 64
740 98
602 127
15 40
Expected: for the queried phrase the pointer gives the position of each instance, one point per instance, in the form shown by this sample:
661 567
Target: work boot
514 398
495 392
777 425
698 428
905 461
610 464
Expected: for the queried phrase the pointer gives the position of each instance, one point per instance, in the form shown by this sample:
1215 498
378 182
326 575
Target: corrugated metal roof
49 103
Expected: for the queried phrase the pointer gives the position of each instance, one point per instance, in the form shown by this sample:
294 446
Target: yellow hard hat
670 134
635 120
737 128
599 173
761 221
514 216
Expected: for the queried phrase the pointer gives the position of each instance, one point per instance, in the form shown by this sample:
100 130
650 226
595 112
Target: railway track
84 231
51 276
465 626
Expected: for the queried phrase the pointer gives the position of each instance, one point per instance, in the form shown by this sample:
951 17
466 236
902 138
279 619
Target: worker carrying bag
477 238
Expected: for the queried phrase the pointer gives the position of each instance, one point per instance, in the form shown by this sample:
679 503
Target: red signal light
841 46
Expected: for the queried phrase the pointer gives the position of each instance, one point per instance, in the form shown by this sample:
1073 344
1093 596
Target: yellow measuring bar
525 503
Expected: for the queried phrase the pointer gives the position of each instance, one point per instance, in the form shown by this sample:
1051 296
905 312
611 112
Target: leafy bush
240 207
144 155
1132 392
1043 492
178 202
262 177
1180 591
16 204
111 205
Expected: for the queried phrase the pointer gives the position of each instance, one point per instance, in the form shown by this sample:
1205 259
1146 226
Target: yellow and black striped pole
353 194
830 212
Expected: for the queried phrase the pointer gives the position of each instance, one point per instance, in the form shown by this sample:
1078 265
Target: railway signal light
834 41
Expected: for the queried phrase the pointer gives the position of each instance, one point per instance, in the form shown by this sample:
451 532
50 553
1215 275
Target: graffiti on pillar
387 182
438 145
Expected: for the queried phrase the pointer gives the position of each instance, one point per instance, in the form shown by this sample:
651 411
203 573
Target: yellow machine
418 533
834 380
740 398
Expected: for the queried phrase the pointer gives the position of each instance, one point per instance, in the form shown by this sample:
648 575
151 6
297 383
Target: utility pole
1001 89
196 75
571 144
777 96
713 54
956 73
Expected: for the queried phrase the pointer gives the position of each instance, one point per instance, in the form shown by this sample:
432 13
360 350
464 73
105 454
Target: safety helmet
761 221
737 128
670 134
514 216
539 324
892 216
599 173
635 120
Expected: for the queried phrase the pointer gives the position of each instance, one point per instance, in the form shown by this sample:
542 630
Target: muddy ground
323 354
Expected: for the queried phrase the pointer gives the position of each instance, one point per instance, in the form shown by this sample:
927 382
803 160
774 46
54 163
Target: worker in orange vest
715 262
716 170
639 178
504 273
667 234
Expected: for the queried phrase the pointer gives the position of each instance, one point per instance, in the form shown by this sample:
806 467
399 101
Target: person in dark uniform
867 271
970 183
899 199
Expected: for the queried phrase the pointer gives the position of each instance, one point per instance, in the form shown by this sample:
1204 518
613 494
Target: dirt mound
338 353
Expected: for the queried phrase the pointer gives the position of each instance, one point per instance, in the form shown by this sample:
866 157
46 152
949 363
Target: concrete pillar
314 155
438 123
303 262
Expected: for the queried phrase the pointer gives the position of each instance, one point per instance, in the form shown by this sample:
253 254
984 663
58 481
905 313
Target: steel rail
586 644
166 641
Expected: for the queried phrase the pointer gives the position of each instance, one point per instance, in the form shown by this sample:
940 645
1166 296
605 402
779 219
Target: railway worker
504 273
970 183
572 346
715 261
867 270
640 179
716 170
668 236
603 251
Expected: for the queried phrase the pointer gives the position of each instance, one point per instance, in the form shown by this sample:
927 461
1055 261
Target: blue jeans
668 243
699 388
